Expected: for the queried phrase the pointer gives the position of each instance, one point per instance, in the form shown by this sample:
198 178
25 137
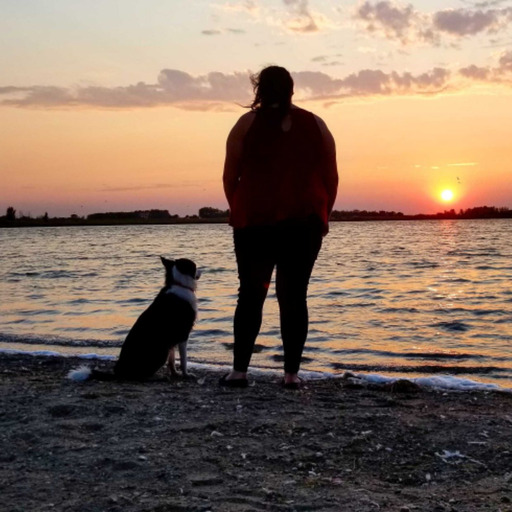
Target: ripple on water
455 326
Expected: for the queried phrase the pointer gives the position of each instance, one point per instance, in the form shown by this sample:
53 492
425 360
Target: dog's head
182 271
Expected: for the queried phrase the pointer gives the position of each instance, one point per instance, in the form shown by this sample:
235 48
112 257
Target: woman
280 180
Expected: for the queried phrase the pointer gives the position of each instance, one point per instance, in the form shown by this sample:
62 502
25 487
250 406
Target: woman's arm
331 167
234 147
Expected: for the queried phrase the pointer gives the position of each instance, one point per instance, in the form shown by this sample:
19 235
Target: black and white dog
165 324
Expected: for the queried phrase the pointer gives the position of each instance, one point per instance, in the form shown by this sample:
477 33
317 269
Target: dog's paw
189 376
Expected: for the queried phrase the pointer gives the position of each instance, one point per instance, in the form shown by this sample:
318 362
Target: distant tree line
479 212
207 214
136 215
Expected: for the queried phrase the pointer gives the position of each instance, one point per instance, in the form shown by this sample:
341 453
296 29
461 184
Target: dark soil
166 446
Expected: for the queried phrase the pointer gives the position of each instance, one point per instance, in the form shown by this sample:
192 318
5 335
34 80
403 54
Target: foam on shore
437 382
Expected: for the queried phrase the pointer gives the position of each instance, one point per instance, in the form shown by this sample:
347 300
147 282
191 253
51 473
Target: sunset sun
447 195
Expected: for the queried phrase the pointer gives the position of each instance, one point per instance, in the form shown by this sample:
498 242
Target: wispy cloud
217 32
327 60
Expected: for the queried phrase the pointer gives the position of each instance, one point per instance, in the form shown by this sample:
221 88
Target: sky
125 105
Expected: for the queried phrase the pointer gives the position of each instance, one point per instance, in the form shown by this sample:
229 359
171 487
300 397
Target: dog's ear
168 264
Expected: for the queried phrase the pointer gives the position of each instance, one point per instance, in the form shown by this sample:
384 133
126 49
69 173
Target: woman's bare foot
234 379
234 375
292 381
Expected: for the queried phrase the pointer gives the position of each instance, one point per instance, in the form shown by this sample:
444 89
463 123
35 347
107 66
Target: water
412 299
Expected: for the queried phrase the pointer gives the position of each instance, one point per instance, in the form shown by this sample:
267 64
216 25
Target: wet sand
192 446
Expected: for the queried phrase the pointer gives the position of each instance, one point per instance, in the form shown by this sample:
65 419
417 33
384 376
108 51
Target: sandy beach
192 446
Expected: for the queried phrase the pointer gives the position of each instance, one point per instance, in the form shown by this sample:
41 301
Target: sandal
232 383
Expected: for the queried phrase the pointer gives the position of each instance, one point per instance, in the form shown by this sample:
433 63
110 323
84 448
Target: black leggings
292 247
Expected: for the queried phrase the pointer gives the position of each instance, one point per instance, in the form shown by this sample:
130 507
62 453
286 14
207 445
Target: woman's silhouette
280 180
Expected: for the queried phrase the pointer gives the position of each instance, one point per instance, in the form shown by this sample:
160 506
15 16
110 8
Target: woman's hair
273 87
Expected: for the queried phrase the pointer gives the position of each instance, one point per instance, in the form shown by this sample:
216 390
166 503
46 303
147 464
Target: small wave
454 326
484 312
50 353
46 274
423 264
217 270
120 332
133 300
469 311
58 341
359 304
491 251
434 355
398 310
424 369
336 293
33 312
441 355
76 302
210 332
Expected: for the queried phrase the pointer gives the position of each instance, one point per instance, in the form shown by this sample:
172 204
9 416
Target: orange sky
410 116
393 154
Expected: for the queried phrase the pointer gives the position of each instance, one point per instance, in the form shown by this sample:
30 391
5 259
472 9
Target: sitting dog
167 322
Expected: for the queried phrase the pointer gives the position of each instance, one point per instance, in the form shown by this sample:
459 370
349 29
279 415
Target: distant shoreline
209 215
27 223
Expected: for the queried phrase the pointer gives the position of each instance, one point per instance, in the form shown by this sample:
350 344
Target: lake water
424 298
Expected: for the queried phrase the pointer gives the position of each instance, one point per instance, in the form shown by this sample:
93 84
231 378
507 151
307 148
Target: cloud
405 24
394 21
218 91
173 87
371 82
475 72
293 16
464 22
303 20
500 74
211 32
505 62
489 3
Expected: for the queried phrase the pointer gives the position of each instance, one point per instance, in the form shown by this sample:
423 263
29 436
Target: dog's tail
84 373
